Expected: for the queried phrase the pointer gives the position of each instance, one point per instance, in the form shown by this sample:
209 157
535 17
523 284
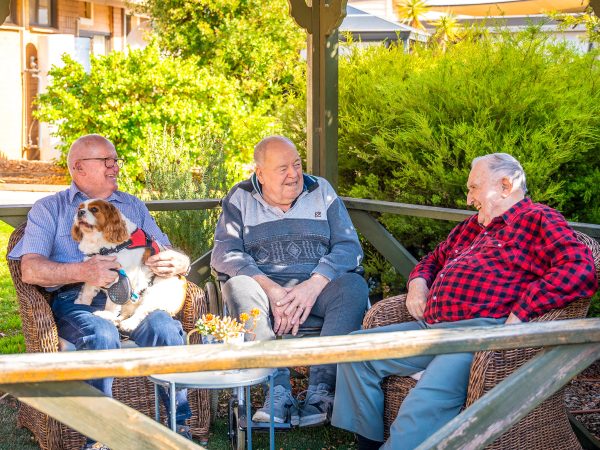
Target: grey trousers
435 400
340 308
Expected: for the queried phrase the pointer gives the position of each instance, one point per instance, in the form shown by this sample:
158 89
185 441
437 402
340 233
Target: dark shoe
94 446
317 406
184 430
367 444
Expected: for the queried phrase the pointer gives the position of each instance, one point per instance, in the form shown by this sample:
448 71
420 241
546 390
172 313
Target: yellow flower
208 317
255 312
244 317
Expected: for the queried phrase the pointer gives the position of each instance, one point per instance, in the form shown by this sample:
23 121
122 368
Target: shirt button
485 233
441 275
472 247
499 245
435 297
455 251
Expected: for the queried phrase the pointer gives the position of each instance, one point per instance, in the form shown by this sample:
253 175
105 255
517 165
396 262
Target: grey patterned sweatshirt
315 235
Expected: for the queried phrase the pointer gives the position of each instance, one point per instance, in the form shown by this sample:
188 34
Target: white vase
211 339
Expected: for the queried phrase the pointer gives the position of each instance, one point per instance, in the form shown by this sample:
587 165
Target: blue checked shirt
49 222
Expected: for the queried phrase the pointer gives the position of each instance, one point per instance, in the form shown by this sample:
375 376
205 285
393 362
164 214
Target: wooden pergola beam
321 20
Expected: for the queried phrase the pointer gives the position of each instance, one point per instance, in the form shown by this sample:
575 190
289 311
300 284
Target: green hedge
411 123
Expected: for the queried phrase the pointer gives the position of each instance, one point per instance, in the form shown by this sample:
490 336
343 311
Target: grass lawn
12 438
11 339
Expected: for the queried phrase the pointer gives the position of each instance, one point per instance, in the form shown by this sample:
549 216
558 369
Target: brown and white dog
100 228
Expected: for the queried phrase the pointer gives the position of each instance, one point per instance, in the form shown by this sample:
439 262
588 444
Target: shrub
125 95
409 125
254 42
174 170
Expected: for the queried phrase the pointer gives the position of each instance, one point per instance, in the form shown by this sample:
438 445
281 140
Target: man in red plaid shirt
511 262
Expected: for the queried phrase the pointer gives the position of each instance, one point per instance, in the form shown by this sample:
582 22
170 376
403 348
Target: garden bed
32 172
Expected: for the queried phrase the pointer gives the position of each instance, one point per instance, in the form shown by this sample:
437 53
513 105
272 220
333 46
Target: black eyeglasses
108 162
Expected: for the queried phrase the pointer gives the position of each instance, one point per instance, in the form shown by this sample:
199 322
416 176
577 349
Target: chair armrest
491 367
386 312
195 305
37 321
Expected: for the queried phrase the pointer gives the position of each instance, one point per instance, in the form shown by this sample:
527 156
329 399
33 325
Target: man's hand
281 323
300 300
512 319
416 299
39 270
168 263
100 270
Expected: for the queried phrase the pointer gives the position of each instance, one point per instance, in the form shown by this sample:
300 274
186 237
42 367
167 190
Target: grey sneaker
317 406
282 402
94 446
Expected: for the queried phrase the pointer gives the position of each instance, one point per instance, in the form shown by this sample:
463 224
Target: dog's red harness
139 238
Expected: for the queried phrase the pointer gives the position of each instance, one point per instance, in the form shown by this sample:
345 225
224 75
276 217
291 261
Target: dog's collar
107 251
139 238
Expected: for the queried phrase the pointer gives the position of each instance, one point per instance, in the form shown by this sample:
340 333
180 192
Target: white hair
505 165
261 147
84 144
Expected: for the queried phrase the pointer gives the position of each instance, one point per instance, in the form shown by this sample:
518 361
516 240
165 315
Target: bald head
88 146
270 143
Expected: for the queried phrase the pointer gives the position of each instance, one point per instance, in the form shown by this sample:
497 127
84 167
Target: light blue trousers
339 310
435 400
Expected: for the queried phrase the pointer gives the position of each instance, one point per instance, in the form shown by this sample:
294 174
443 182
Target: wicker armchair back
547 426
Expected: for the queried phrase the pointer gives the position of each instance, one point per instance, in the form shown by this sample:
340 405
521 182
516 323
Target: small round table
240 380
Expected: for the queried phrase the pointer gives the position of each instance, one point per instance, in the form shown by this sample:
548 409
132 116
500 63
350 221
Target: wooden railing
48 381
360 211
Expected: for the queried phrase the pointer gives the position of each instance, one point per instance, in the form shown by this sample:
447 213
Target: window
86 16
12 13
42 12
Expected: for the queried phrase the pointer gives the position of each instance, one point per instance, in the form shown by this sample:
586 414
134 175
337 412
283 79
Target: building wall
11 109
70 35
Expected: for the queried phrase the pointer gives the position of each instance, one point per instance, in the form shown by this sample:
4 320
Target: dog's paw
83 300
107 315
128 325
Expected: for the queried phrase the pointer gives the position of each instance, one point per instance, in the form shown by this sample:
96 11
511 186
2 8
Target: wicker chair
547 426
39 330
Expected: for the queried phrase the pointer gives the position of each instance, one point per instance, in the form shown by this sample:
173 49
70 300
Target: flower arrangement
225 329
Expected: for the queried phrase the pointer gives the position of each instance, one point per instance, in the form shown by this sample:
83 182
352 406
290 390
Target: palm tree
411 11
447 29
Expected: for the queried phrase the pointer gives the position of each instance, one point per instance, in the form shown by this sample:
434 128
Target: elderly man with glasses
52 259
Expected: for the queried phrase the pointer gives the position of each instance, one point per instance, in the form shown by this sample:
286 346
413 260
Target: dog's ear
76 233
115 229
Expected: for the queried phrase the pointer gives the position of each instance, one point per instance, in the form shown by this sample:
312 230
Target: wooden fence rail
361 211
45 381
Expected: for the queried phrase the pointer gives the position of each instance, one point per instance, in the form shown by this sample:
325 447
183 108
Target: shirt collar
307 182
516 210
77 195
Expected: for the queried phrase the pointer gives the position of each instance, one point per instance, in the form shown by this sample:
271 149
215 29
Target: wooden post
384 242
102 418
321 21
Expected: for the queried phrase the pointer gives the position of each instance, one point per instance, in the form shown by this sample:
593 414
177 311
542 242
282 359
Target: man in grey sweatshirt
287 243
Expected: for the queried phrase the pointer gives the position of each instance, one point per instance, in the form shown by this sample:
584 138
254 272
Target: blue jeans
434 401
78 325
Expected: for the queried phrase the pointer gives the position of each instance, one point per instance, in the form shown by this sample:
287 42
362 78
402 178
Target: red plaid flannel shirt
527 261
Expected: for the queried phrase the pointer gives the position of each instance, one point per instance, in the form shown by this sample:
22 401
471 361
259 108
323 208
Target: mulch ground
32 172
583 398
